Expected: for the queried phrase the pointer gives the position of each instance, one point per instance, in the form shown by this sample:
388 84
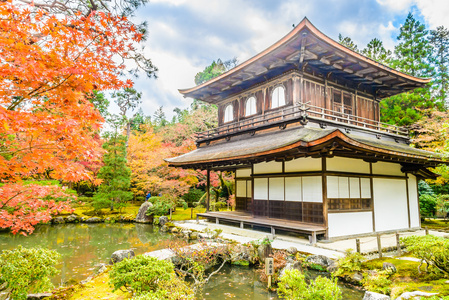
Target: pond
84 246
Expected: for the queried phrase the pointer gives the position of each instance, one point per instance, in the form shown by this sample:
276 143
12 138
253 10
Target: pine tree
439 40
113 191
347 42
412 57
375 50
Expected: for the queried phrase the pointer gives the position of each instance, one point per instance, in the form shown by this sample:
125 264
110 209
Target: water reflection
84 246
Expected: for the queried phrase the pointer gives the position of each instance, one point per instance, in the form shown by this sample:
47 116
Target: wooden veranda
244 218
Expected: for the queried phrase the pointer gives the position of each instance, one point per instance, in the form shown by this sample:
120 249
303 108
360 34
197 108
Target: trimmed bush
27 270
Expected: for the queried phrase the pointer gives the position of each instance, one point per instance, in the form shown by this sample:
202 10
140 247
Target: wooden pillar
372 194
408 201
208 190
324 191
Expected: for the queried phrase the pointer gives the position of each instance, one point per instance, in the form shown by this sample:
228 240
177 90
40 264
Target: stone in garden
243 255
412 295
58 220
292 250
71 219
102 268
291 266
120 255
357 278
174 230
142 214
375 296
333 267
389 266
186 233
264 251
320 260
38 296
163 220
194 235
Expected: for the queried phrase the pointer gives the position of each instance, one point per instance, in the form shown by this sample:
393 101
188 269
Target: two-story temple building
299 123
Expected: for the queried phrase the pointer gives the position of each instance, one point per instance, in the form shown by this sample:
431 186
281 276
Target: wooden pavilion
299 123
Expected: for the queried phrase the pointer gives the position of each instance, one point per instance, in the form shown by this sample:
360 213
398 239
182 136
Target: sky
185 36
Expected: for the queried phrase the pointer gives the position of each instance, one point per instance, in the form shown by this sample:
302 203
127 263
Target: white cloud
435 12
397 6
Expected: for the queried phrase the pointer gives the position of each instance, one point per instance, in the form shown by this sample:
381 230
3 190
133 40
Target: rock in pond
163 220
93 220
58 220
120 255
38 296
193 235
375 296
417 294
320 260
142 214
72 219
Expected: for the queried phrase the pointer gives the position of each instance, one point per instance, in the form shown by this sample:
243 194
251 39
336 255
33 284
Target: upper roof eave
304 24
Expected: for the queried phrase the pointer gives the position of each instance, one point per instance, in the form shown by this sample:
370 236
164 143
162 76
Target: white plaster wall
386 168
293 189
350 223
354 187
241 188
276 189
390 204
243 173
312 189
303 164
268 167
261 188
413 201
344 164
365 187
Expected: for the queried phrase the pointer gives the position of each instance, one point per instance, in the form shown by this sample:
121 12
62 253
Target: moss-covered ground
408 279
436 224
97 288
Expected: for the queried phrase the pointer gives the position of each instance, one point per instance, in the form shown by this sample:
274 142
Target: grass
407 279
87 211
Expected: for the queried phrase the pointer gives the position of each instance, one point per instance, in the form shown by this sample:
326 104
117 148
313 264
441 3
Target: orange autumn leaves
150 173
48 64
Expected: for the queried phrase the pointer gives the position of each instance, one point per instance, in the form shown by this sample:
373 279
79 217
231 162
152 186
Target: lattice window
229 113
250 107
278 97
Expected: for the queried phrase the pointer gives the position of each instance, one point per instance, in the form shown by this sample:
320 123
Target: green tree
347 42
159 119
439 40
128 99
215 69
116 176
375 50
412 56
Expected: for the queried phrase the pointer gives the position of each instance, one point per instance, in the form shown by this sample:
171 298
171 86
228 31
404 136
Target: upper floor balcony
301 113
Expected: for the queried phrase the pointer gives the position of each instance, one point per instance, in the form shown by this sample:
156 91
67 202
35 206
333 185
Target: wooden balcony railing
299 112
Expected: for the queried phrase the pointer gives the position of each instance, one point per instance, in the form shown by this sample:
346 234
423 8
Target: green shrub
351 262
432 250
141 274
220 205
161 205
378 282
27 270
293 286
427 205
174 289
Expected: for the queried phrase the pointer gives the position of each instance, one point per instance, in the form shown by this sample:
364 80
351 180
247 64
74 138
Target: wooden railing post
379 246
